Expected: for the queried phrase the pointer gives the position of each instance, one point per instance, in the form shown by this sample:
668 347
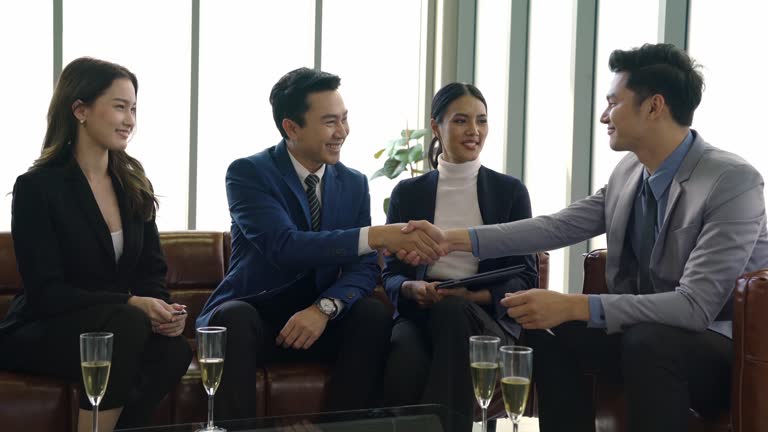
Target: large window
549 115
245 47
729 41
376 49
26 79
491 65
152 39
615 31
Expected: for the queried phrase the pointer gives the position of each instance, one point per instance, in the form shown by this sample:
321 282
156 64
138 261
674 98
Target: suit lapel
425 200
621 215
87 202
130 229
676 187
284 165
489 207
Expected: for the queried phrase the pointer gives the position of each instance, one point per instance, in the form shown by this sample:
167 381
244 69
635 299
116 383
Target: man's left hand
303 329
543 309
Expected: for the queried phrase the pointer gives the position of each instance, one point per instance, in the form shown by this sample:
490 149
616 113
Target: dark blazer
274 250
501 198
64 249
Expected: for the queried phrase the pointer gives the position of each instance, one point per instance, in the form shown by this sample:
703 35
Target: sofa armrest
750 366
594 272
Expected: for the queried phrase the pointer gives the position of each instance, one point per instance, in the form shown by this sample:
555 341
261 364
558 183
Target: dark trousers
355 343
664 371
145 366
429 358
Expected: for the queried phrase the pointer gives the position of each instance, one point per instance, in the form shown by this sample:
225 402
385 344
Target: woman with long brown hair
88 250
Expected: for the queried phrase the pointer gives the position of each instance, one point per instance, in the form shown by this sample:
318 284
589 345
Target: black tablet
483 278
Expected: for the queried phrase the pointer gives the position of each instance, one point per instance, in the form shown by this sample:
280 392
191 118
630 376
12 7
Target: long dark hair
86 79
440 103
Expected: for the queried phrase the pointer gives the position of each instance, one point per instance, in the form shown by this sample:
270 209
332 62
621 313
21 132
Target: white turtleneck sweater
456 206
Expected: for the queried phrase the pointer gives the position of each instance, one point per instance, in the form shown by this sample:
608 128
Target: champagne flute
211 344
95 362
516 368
483 355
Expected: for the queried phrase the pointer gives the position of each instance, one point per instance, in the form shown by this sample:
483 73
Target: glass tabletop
416 418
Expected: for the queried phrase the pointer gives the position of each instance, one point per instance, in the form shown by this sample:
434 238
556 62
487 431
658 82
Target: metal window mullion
428 22
193 116
318 34
583 69
673 22
58 38
517 88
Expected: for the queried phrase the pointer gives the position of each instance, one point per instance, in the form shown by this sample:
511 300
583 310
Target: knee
129 323
450 309
235 316
372 315
647 345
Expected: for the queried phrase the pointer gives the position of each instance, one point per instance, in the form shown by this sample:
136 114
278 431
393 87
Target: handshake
417 242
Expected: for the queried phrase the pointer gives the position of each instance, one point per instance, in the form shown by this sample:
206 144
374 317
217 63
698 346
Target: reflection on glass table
416 418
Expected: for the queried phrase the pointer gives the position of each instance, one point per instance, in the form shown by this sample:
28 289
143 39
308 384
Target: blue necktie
647 240
314 203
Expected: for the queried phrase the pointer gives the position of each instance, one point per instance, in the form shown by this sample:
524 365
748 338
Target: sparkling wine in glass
211 344
484 366
95 362
516 368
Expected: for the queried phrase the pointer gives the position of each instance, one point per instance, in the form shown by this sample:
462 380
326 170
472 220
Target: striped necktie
314 203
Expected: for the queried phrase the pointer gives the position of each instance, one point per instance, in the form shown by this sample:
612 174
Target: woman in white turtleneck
429 359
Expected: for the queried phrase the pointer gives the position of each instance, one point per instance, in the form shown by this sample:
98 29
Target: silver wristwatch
327 306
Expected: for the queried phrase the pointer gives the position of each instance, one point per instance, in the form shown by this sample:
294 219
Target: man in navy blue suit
303 255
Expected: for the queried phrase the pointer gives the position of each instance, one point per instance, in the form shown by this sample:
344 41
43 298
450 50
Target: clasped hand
417 242
161 315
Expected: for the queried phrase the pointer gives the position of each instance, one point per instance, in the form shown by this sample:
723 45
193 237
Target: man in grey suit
683 220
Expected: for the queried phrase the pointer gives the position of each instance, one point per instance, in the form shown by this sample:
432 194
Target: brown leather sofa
749 387
197 262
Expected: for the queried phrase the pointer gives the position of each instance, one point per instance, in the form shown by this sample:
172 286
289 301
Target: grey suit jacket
714 230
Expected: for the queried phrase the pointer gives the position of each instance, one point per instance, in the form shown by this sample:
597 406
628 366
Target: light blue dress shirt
660 182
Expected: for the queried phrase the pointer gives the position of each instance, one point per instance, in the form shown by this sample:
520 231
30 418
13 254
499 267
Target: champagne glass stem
514 425
96 418
484 424
210 411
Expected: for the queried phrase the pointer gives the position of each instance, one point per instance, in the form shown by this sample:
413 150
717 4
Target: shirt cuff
475 242
362 243
596 312
339 307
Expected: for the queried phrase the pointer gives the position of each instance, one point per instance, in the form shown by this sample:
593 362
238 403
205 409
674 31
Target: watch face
327 306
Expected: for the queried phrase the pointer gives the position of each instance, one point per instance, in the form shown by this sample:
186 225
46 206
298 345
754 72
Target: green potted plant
402 155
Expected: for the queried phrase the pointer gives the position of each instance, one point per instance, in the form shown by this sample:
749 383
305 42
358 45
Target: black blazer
501 198
64 249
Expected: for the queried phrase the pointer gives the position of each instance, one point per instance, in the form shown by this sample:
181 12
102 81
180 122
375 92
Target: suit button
351 295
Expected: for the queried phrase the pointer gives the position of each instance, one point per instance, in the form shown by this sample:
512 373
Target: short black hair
289 95
662 69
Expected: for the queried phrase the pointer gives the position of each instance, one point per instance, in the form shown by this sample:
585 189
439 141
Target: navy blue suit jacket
274 250
501 198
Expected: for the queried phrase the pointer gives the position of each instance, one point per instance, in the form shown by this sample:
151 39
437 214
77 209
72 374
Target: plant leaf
386 205
398 170
402 155
394 146
379 153
418 133
390 167
415 154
